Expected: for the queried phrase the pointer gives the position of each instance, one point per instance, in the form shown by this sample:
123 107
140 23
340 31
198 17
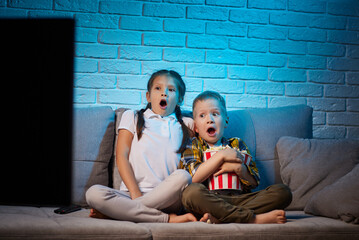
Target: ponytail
141 120
186 131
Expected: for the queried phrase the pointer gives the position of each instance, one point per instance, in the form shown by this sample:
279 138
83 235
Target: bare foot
188 217
208 218
275 216
96 214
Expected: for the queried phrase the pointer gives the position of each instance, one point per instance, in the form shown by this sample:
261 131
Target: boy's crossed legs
257 207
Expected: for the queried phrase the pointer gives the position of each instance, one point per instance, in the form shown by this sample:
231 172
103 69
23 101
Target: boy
229 205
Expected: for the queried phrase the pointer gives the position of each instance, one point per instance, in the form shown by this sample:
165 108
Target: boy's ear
227 121
195 129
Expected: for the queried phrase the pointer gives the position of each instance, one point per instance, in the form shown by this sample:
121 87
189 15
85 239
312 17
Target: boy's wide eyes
215 114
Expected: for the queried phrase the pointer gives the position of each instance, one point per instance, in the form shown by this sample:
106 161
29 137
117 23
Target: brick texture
257 53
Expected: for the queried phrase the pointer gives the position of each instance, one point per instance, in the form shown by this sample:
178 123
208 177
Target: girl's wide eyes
170 89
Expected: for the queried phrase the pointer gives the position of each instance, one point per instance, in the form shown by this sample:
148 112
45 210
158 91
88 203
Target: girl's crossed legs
151 207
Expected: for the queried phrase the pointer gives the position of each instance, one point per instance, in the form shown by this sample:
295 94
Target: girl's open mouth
211 131
163 104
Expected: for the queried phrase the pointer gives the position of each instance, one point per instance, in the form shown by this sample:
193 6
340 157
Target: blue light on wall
257 53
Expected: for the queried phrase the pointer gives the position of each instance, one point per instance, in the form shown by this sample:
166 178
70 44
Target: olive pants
197 199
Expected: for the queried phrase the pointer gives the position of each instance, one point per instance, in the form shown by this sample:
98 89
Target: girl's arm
124 141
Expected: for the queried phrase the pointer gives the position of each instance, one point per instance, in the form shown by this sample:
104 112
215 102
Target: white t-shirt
153 157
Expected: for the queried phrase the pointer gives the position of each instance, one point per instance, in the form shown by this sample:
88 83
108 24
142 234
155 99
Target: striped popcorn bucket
225 180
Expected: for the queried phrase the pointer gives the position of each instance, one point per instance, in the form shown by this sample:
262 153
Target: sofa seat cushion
309 165
299 226
18 222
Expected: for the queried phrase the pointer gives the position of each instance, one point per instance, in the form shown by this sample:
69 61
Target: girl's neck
160 114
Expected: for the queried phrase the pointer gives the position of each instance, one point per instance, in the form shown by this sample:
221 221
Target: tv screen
37 95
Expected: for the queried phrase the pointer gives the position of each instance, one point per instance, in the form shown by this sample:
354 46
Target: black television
37 102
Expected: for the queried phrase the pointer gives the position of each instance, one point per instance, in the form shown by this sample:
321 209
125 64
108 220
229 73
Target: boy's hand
231 155
227 167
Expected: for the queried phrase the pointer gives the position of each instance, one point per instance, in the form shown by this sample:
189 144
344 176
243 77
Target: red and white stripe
247 158
225 180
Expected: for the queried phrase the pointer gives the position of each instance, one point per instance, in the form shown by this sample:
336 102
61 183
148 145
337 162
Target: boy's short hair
210 95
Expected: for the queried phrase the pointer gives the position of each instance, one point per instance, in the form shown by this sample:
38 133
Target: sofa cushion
262 127
240 125
309 165
93 139
338 200
18 222
299 226
42 223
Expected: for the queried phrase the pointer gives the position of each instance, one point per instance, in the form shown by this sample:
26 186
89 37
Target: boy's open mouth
163 104
211 131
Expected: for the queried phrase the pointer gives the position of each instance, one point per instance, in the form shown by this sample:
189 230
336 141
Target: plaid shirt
192 157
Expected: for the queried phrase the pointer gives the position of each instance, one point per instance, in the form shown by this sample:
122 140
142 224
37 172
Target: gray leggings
151 207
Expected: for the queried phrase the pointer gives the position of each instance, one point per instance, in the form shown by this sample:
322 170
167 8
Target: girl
147 154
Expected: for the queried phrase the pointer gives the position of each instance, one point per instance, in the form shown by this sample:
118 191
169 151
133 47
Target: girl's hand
135 195
231 155
237 168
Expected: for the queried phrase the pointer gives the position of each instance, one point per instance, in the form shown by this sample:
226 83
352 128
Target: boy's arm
192 157
192 161
206 169
252 180
252 169
240 169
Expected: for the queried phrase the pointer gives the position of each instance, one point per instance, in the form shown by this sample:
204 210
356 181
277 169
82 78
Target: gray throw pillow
309 165
338 200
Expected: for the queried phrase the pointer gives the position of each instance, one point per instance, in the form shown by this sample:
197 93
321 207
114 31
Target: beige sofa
319 185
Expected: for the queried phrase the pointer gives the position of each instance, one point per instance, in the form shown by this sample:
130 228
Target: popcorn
225 180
